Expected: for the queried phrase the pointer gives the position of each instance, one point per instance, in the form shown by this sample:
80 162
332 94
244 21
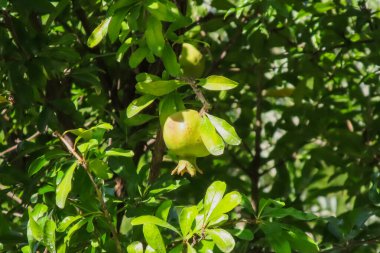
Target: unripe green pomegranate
181 134
191 61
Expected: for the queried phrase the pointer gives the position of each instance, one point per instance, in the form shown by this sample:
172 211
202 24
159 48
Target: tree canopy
283 154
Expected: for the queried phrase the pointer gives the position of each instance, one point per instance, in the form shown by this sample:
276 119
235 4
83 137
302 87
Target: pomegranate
181 134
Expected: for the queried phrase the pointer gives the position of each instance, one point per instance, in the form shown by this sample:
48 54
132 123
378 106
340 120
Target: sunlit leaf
225 130
139 104
223 240
153 237
211 139
217 83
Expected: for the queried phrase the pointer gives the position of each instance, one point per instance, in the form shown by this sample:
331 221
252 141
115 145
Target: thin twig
3 153
11 194
198 93
99 193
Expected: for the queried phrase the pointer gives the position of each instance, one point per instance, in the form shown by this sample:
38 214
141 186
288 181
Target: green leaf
100 169
276 237
163 210
217 83
35 229
223 240
115 24
229 202
64 187
217 220
186 219
169 59
225 130
153 238
139 104
124 48
37 165
190 249
213 142
49 235
170 104
177 249
214 195
119 152
73 229
158 88
149 219
154 37
135 247
283 212
149 249
66 222
163 10
300 241
244 234
138 56
103 125
98 34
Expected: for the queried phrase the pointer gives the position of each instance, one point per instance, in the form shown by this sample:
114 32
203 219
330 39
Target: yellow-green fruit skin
191 61
181 134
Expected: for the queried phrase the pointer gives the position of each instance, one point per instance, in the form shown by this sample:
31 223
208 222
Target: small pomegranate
181 134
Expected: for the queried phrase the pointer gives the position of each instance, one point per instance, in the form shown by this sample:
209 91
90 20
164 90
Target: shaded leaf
64 187
154 37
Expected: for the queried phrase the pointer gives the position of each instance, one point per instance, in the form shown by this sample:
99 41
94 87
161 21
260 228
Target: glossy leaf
164 209
169 59
139 104
154 37
165 11
119 152
123 49
225 130
214 195
211 139
223 240
153 238
217 83
149 219
229 202
98 34
158 88
64 187
66 222
115 24
135 247
186 219
49 235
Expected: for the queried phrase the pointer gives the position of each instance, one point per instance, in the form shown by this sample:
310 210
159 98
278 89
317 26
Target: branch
99 193
198 93
158 154
35 135
11 195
